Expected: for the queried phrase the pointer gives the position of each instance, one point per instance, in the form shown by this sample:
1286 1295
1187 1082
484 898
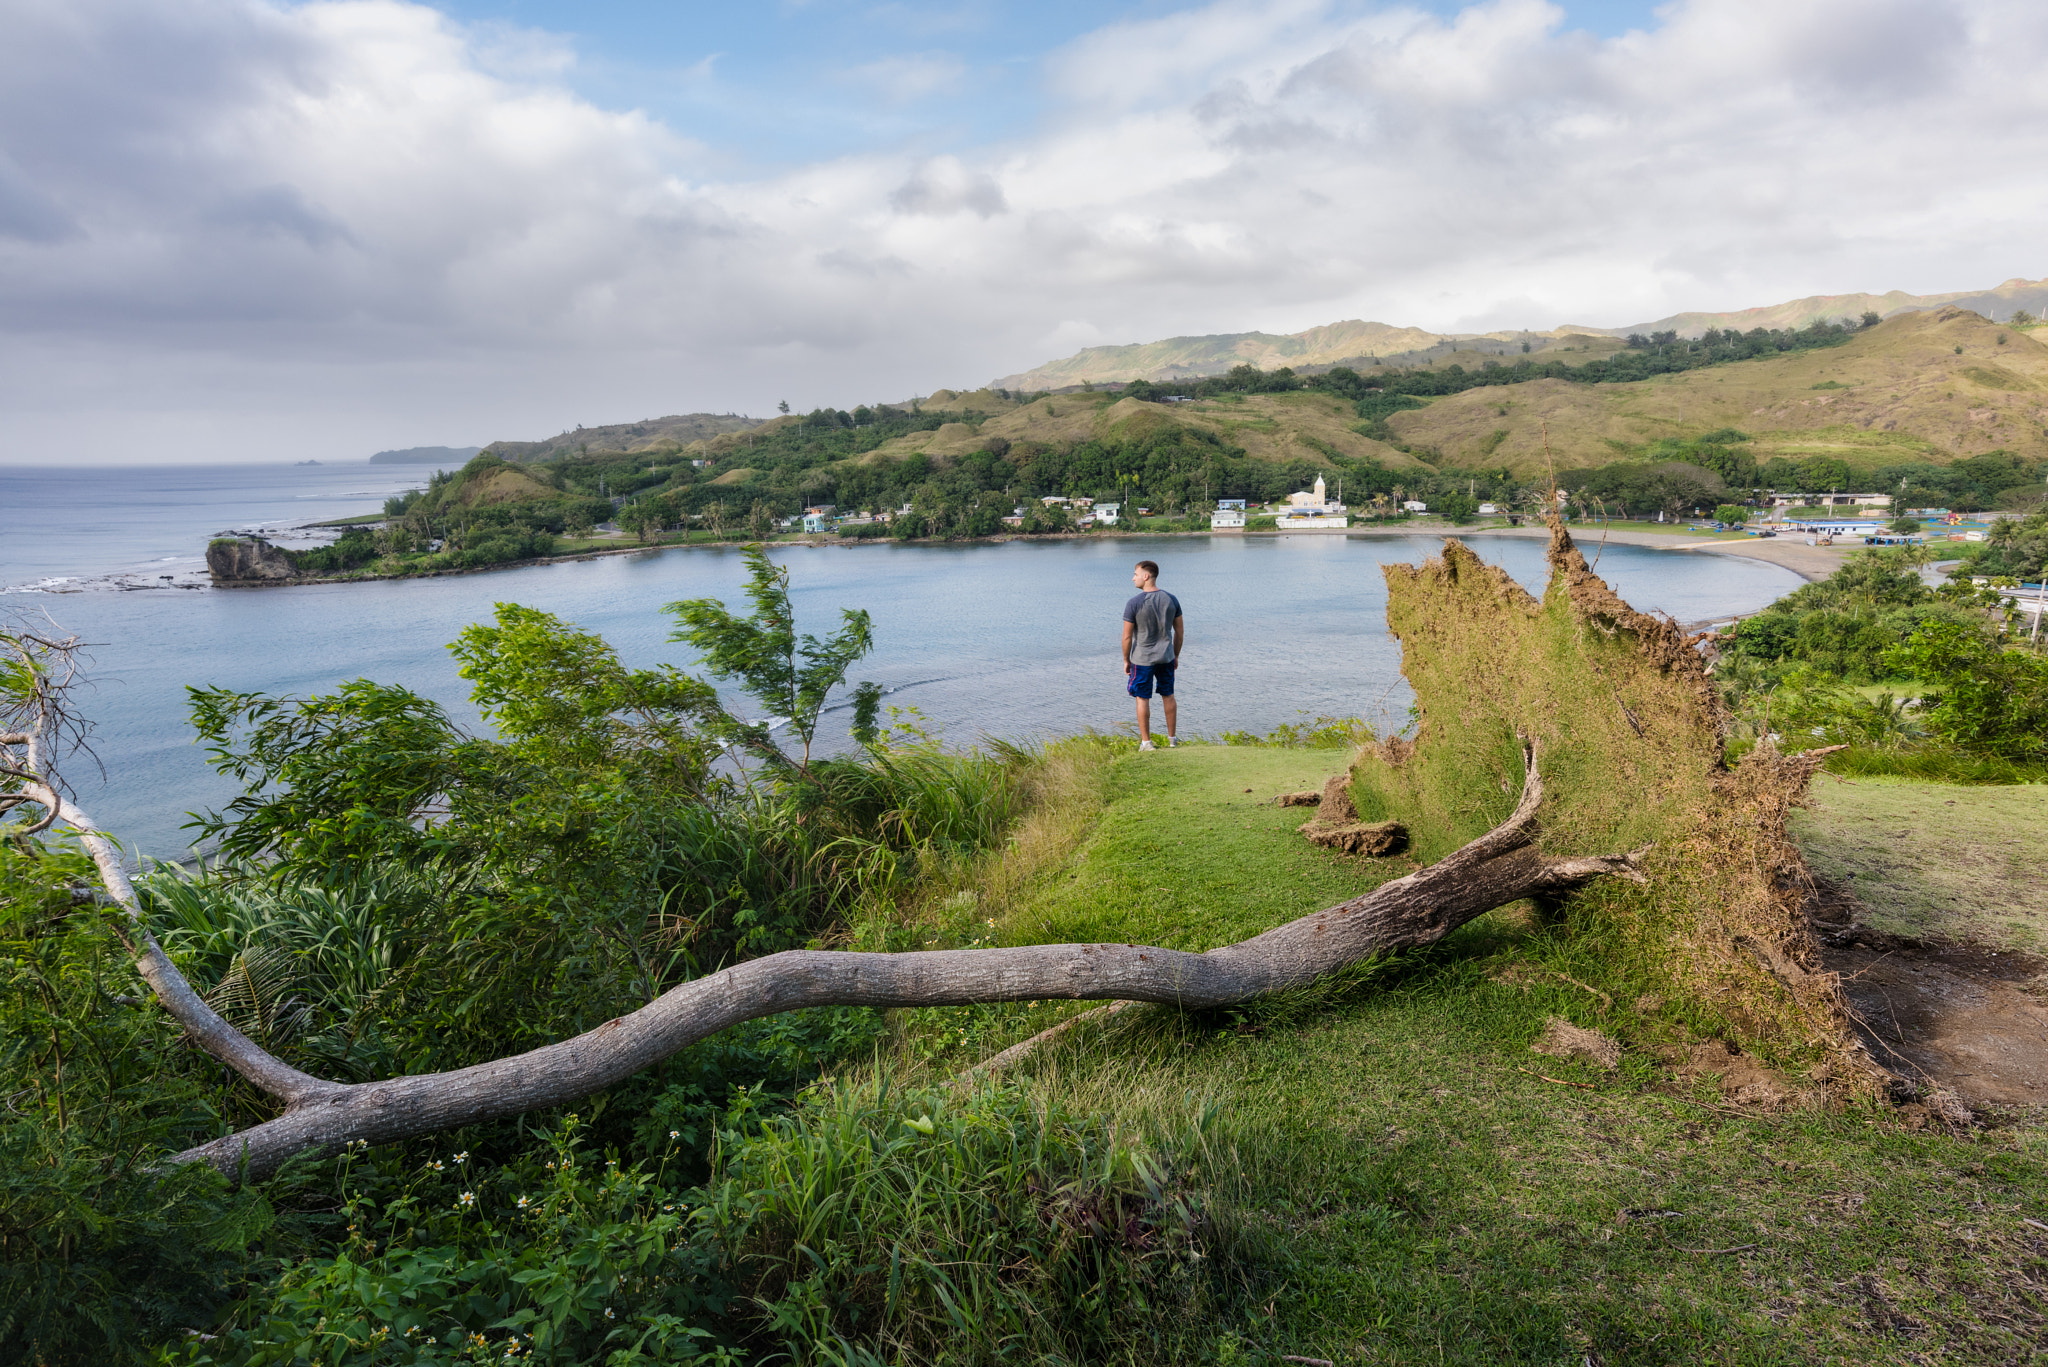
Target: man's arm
1127 647
1180 635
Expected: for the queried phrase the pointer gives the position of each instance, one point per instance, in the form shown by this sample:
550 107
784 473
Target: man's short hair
1149 567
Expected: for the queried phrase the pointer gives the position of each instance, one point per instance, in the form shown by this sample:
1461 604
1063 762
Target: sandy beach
1809 562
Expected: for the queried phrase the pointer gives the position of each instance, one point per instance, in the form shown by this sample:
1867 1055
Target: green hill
650 434
1932 386
1360 343
1348 343
1996 304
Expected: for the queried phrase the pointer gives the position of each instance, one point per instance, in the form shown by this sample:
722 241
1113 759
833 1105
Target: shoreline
1811 563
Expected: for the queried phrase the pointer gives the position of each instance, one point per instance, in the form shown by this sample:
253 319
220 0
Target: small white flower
462 1157
435 1165
523 1202
675 1134
608 1313
468 1198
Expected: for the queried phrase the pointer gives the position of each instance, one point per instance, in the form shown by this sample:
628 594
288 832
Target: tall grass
1932 764
303 968
876 1225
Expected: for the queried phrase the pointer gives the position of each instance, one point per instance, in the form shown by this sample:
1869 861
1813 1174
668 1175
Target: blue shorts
1142 677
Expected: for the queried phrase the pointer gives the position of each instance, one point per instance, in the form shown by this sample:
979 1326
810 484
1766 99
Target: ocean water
1018 639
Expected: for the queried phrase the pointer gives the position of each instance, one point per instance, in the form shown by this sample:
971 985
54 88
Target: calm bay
1014 639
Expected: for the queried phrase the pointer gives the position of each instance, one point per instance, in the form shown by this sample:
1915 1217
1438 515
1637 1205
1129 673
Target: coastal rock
248 560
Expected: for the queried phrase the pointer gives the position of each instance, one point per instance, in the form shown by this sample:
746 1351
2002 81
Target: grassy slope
1435 1201
1279 427
670 433
1932 860
1909 397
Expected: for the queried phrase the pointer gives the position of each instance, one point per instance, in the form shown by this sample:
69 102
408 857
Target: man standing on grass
1153 637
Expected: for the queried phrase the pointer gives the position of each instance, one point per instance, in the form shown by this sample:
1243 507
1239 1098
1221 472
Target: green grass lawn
1408 1186
1936 860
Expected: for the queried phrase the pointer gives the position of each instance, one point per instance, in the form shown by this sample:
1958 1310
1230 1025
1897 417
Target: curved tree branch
1499 867
320 1116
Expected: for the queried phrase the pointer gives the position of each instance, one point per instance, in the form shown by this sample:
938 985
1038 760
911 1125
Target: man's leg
1145 719
1167 702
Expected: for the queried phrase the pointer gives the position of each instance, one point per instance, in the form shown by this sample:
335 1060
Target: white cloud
224 219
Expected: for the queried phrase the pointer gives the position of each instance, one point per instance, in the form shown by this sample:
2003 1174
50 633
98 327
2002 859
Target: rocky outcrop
248 560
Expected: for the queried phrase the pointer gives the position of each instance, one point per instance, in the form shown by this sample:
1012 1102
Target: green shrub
1985 697
101 1253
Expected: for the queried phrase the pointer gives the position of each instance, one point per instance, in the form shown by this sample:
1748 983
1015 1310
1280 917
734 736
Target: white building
1107 513
1227 519
1832 501
1415 506
1312 510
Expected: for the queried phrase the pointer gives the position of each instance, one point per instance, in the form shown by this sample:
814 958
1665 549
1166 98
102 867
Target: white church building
1312 510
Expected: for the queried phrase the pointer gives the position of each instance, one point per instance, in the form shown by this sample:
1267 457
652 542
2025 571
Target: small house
1415 506
815 523
1107 513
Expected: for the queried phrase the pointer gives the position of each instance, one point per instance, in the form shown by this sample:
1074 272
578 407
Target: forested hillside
1946 407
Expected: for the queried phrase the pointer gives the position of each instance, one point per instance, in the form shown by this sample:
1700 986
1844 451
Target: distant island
426 455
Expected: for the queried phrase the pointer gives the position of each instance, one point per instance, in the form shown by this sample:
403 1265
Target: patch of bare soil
1944 1018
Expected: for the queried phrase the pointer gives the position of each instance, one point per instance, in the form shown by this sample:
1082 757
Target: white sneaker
1172 743
1146 745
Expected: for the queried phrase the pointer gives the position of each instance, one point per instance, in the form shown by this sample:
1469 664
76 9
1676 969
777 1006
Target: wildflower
608 1313
523 1202
435 1165
479 1341
468 1198
675 1134
462 1157
990 923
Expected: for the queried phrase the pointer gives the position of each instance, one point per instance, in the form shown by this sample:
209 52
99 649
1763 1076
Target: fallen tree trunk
1501 866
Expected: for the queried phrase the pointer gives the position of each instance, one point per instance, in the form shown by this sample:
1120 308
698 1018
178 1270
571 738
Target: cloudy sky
243 229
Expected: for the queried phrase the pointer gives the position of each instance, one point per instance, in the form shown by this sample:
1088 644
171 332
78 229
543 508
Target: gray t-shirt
1151 616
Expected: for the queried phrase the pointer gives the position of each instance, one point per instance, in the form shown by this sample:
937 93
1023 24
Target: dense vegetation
1969 695
394 894
1179 471
1661 353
